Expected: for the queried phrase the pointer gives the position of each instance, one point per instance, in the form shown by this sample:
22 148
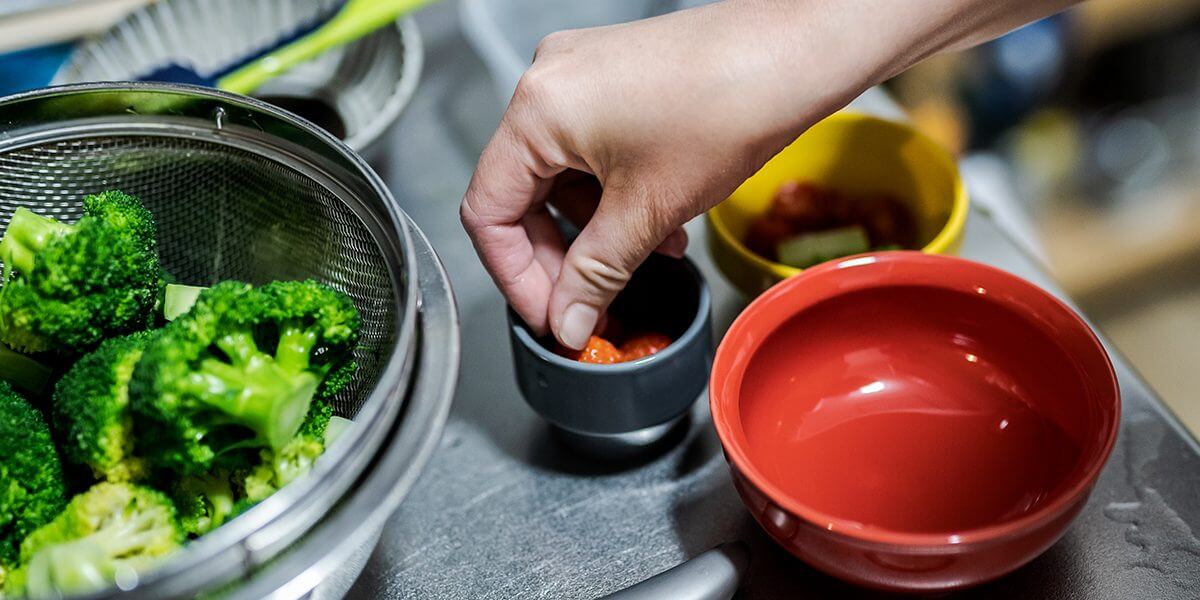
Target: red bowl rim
735 453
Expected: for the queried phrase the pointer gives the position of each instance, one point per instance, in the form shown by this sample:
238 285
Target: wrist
799 60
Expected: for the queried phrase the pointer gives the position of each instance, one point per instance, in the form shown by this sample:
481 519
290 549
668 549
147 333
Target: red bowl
913 422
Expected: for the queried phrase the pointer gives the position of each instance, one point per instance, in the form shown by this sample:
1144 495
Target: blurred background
1091 119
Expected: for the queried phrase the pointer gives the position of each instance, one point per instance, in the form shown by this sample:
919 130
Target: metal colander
367 82
244 191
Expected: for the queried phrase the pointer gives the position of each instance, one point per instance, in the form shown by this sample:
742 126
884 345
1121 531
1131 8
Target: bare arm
669 115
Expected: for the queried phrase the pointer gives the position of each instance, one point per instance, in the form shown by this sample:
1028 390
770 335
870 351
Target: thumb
619 236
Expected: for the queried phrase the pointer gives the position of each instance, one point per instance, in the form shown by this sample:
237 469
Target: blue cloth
31 68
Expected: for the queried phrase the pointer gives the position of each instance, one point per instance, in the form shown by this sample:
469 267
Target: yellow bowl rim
940 244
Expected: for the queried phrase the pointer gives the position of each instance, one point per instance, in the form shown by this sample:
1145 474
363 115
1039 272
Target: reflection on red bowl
913 422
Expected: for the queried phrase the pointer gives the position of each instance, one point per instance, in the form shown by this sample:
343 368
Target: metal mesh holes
222 213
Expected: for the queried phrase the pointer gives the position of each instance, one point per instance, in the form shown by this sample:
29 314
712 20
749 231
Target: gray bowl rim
702 319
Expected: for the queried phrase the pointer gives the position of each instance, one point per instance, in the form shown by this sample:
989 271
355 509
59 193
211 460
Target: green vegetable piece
111 531
28 233
204 502
277 468
238 373
808 249
67 287
179 300
32 488
90 409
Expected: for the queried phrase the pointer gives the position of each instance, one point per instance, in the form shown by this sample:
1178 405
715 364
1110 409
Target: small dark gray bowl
618 411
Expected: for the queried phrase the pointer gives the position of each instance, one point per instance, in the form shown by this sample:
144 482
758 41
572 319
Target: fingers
546 239
675 244
576 195
599 263
514 236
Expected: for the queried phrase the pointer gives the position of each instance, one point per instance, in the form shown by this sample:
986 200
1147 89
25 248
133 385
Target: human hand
634 129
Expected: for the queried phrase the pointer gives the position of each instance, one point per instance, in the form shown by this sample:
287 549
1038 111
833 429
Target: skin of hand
632 130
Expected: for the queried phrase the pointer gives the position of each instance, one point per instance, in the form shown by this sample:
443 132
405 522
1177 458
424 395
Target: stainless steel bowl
241 190
367 83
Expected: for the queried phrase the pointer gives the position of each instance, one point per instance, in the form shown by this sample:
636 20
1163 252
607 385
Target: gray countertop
502 511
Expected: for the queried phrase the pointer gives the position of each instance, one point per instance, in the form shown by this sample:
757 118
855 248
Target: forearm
813 56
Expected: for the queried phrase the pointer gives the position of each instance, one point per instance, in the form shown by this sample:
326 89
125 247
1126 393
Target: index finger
500 213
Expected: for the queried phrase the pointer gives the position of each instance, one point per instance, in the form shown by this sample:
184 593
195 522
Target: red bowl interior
915 399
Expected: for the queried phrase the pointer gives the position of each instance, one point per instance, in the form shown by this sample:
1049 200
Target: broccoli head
277 468
32 487
238 372
203 502
112 531
90 409
67 287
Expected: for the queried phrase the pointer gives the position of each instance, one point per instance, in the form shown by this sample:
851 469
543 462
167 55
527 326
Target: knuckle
602 274
551 42
534 84
467 216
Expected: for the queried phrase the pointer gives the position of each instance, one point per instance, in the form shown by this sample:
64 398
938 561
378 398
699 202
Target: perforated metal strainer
240 190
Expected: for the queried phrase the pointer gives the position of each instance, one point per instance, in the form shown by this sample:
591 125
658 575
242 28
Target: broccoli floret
67 287
32 487
112 531
238 373
337 380
91 409
317 420
203 502
277 468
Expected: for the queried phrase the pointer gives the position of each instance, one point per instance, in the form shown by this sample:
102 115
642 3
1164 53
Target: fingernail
578 322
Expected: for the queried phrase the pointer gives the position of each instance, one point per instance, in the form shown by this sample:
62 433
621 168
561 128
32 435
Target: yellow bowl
854 154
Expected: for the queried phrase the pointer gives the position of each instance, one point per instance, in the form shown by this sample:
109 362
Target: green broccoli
238 373
67 287
90 409
203 502
32 487
178 299
112 531
277 468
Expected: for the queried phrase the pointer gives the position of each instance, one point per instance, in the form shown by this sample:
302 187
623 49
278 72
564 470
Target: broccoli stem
27 234
239 346
257 390
217 497
179 299
295 347
23 372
